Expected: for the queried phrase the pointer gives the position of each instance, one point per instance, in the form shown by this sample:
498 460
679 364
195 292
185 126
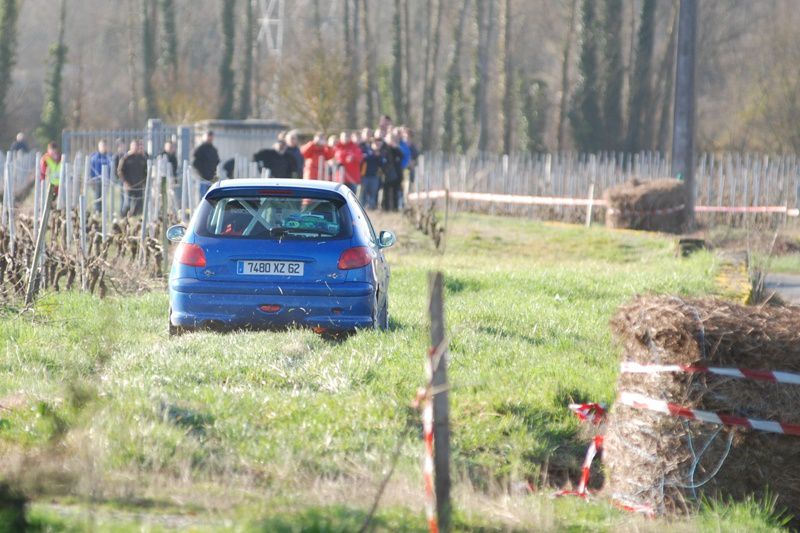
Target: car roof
272 182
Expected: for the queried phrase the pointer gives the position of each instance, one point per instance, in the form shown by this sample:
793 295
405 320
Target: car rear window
274 217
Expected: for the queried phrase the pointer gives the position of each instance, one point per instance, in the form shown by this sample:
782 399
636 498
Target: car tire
174 331
381 320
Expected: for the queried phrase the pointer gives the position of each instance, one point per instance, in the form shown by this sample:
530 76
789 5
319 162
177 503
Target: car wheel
174 331
381 320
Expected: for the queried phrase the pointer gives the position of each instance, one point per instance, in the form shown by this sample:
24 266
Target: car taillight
190 255
355 258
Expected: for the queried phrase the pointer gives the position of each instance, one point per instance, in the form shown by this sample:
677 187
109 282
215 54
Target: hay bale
652 206
668 462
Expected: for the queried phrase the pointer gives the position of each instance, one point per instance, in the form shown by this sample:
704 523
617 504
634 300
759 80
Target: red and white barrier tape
505 198
639 401
427 463
517 199
589 412
740 373
632 507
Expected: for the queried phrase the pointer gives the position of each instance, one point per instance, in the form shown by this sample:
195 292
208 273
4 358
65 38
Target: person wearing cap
20 144
205 160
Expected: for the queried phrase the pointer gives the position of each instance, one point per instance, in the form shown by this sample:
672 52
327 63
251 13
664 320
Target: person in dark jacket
277 161
132 172
293 149
20 144
205 161
169 153
392 173
374 161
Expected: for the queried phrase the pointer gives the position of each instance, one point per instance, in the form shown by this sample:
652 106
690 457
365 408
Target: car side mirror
386 239
175 233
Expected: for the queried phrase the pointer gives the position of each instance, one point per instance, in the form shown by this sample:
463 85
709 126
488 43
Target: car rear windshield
274 217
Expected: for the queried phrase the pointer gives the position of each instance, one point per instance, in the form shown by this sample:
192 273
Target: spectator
392 173
50 165
118 155
374 161
133 174
279 163
293 150
205 161
20 145
332 164
408 138
316 153
101 158
385 126
229 168
366 140
348 154
169 153
406 159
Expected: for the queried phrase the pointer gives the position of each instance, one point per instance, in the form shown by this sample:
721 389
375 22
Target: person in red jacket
348 155
315 153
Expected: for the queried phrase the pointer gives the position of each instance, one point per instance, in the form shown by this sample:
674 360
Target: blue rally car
270 253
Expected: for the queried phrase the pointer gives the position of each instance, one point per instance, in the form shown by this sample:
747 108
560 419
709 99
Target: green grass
244 428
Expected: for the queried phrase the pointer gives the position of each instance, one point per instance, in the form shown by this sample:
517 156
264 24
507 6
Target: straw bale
669 462
652 206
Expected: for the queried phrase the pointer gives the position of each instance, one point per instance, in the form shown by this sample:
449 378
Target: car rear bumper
343 306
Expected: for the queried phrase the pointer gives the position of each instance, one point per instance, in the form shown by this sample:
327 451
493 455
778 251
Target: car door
364 227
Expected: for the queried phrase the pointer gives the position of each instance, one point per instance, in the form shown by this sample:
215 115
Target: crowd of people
374 164
377 165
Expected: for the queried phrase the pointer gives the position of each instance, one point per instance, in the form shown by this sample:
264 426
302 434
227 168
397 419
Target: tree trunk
397 64
453 138
169 51
641 92
485 14
351 100
431 96
508 96
149 57
372 88
407 35
613 74
8 48
565 57
133 104
246 90
226 75
667 74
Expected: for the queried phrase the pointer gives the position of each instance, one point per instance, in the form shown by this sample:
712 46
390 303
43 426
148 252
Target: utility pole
683 128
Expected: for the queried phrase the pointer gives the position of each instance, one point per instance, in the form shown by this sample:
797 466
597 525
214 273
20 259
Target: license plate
270 268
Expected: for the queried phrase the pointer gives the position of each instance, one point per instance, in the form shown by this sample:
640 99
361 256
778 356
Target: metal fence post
184 147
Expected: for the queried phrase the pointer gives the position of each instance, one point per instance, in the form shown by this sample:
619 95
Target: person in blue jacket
101 158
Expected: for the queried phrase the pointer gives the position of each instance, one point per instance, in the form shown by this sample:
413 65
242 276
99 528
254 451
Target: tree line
489 75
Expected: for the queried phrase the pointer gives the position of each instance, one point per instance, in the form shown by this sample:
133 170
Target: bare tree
371 80
508 94
485 19
565 59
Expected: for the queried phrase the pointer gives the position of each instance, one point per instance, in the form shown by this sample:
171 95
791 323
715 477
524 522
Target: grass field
107 422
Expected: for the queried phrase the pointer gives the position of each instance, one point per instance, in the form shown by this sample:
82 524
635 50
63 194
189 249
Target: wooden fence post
164 224
441 405
30 292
